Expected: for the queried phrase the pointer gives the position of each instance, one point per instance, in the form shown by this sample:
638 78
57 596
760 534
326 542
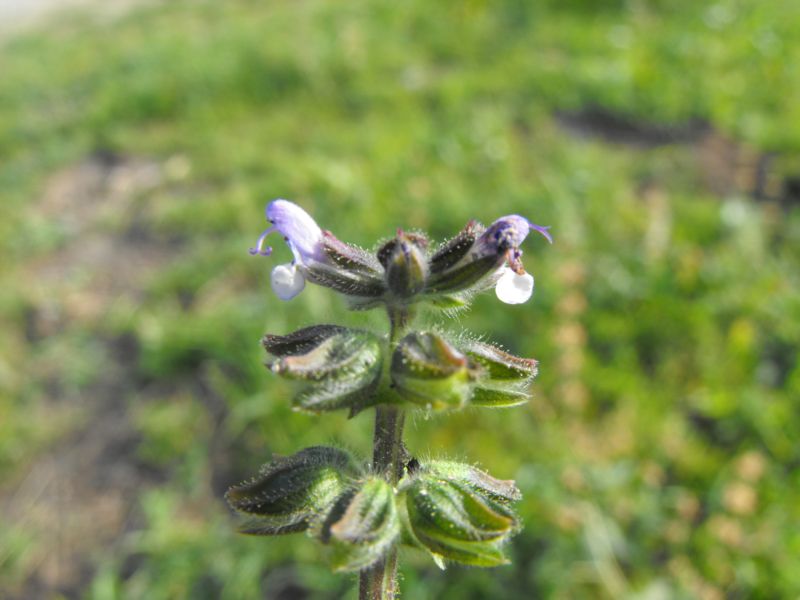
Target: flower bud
405 263
341 366
459 513
289 493
362 525
428 370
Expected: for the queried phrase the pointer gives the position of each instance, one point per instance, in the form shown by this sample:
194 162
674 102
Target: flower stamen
259 247
543 229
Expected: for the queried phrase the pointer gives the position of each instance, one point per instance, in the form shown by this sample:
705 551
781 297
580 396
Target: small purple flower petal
301 231
506 232
503 238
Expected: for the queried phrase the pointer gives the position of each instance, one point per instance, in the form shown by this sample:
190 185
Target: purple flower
304 238
504 237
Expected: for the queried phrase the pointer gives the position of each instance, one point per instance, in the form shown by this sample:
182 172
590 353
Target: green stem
379 582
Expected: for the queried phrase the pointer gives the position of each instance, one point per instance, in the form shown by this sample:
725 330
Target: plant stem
379 582
387 453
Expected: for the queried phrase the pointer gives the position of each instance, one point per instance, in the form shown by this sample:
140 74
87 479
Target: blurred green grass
658 455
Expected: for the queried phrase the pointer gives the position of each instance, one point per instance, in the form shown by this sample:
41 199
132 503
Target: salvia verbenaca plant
363 512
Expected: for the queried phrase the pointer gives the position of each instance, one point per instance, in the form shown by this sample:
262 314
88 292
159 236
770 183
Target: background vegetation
658 457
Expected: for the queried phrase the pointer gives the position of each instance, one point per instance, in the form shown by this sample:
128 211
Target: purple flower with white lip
504 237
480 257
304 238
473 260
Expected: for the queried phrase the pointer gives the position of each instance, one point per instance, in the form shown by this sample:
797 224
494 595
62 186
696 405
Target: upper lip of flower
304 238
301 232
505 236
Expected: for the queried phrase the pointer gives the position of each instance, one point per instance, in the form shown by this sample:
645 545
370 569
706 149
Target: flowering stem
379 582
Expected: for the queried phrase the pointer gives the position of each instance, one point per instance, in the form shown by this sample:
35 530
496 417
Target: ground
138 150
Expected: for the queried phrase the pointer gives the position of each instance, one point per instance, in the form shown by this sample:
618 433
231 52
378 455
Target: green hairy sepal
458 513
290 493
433 371
362 525
428 371
451 510
340 366
504 379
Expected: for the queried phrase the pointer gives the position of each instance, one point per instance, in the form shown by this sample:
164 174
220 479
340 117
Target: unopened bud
405 263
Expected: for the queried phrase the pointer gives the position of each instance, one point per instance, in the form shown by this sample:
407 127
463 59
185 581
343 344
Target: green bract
459 513
429 371
362 525
289 493
341 366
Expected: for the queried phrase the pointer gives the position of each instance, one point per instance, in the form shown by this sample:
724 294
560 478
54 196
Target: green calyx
505 378
341 366
452 510
362 525
459 513
344 368
289 493
429 370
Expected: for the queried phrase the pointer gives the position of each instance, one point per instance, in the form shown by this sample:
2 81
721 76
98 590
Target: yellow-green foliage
659 452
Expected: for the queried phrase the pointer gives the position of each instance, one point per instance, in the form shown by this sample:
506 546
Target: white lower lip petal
287 281
514 289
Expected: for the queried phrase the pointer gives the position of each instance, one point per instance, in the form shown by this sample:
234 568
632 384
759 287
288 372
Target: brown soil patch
76 501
